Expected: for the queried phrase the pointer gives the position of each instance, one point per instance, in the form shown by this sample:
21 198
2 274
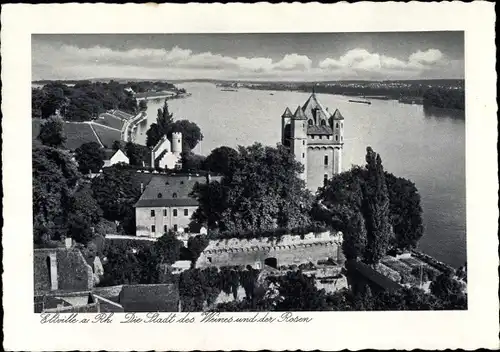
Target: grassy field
106 135
76 133
110 120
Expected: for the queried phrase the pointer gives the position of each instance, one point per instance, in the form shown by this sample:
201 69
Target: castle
166 154
316 139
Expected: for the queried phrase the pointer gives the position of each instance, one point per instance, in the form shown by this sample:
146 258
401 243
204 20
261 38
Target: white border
477 327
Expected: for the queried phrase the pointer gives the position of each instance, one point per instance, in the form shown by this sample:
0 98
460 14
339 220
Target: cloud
359 60
72 62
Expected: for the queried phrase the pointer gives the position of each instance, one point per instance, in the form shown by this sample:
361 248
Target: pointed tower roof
299 114
337 115
287 113
313 108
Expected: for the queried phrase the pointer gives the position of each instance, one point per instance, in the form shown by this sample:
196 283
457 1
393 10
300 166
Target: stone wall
257 252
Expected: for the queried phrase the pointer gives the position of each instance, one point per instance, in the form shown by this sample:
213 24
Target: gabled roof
150 298
287 113
109 153
174 191
312 104
299 114
337 115
319 130
160 142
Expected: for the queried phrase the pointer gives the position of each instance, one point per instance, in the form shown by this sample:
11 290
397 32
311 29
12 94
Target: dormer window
160 195
310 122
174 195
323 123
182 182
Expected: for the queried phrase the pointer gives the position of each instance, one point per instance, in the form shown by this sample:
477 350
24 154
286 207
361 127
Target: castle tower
316 139
177 143
298 139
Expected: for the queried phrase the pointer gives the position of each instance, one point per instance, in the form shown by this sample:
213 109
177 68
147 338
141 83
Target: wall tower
177 143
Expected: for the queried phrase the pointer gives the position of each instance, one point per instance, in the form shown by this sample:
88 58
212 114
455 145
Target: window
153 228
160 195
325 180
186 212
303 155
303 142
174 195
182 182
341 125
310 122
152 213
164 212
320 137
341 138
175 228
336 138
326 160
175 212
165 229
209 259
323 123
337 125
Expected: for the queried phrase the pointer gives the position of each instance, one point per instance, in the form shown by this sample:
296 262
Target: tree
192 162
376 209
191 133
262 192
118 145
448 289
299 293
116 195
52 133
143 105
196 245
406 211
220 160
161 128
84 215
55 178
137 154
168 248
90 157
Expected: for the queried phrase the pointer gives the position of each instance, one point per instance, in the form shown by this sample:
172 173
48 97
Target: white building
166 154
113 157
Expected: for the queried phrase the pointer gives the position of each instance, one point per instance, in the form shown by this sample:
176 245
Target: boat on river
229 90
360 101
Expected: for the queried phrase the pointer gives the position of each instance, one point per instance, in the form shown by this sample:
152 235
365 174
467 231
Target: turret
177 143
298 142
338 138
285 121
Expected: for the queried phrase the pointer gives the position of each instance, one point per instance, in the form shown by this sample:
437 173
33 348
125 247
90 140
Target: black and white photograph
249 172
310 176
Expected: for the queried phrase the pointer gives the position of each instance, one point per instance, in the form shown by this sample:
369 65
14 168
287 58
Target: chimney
208 177
152 159
53 271
142 187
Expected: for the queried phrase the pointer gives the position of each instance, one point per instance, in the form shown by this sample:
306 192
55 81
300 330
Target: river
427 148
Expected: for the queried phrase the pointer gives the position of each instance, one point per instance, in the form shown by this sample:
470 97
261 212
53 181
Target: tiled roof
108 153
299 114
373 276
174 191
161 202
312 104
337 115
150 298
319 130
287 113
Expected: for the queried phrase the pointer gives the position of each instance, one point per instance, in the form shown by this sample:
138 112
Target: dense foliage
116 195
90 157
137 154
52 133
445 98
165 126
373 208
82 102
260 192
220 160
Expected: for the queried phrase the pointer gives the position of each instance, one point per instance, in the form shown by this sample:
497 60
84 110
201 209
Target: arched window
310 122
337 125
160 195
323 123
174 195
325 179
336 138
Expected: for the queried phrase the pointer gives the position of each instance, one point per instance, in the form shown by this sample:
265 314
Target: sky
260 56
